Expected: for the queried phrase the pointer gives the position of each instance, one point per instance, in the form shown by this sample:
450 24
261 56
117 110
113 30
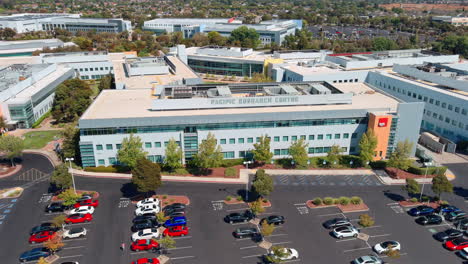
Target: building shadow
460 191
393 196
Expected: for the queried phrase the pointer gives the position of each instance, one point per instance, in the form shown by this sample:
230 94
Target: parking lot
341 180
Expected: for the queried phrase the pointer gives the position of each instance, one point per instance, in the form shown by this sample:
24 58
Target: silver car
345 231
368 260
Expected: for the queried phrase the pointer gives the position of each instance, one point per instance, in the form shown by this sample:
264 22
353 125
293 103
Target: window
434 115
425 99
109 146
346 135
457 109
419 97
352 149
328 136
319 137
285 152
447 120
463 111
450 107
165 143
249 140
257 139
311 151
354 135
437 102
277 152
303 137
240 140
337 136
228 155
98 147
157 144
444 105
101 162
311 137
118 146
431 101
319 150
148 144
326 149
232 141
276 139
223 141
285 138
344 149
441 118
294 138
112 161
454 122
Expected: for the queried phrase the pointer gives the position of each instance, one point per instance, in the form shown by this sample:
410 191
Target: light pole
246 163
424 182
71 172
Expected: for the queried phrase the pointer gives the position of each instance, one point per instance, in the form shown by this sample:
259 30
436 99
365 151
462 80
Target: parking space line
182 237
446 224
73 247
269 213
299 204
243 223
252 256
177 248
277 235
239 209
139 252
371 227
380 235
330 214
248 247
241 239
74 239
184 257
344 240
289 261
219 201
74 256
356 249
280 243
385 256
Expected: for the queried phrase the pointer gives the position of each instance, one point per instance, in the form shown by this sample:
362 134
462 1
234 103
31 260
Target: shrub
265 200
414 200
112 169
356 200
166 203
344 200
181 171
257 207
164 196
430 170
366 220
425 198
231 162
328 200
443 202
230 172
394 254
267 229
346 159
317 201
228 198
378 165
239 198
336 201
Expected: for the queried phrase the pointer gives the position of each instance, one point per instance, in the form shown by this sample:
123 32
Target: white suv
345 231
74 232
148 233
147 209
148 201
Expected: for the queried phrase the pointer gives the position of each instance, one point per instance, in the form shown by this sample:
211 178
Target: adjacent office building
322 113
27 47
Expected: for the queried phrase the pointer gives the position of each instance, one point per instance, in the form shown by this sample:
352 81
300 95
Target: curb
51 160
16 170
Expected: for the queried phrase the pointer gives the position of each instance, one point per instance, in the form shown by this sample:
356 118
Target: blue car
34 254
447 209
176 221
421 210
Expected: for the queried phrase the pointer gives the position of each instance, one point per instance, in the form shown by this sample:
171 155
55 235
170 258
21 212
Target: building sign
383 122
255 100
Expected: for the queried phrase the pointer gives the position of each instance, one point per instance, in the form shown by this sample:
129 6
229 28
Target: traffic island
345 204
94 195
14 192
409 203
8 170
167 199
163 259
265 244
52 258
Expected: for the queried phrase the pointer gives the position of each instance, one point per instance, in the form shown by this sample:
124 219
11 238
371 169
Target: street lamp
424 182
71 172
246 163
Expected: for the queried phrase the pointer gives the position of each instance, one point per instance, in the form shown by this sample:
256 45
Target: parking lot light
424 182
246 163
71 172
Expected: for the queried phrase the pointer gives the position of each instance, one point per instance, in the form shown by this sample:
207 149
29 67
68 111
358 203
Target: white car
74 232
82 210
147 209
147 233
290 254
464 253
345 231
368 260
148 201
386 246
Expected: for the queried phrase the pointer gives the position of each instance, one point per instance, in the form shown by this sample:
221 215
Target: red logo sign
383 122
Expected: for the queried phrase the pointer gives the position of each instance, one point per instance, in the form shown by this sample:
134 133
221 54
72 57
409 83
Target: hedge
113 169
230 172
328 200
39 121
378 165
430 170
231 162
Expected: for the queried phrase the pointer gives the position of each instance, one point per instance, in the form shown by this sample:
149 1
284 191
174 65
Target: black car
143 224
274 219
56 207
336 222
462 224
448 234
149 216
246 232
175 206
455 216
432 219
174 213
44 227
239 217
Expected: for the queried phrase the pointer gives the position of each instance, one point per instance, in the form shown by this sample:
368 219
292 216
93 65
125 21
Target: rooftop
222 52
381 55
27 44
25 17
12 74
311 69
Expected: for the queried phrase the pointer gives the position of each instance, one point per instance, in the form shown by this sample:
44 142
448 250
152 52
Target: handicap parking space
6 207
325 180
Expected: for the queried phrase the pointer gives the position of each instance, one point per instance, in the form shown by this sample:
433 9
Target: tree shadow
248 195
129 190
460 191
394 196
199 171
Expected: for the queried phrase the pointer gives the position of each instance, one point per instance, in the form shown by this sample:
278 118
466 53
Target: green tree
209 153
12 147
72 98
61 177
71 140
2 122
440 184
267 229
131 151
146 175
260 78
383 43
247 37
59 220
166 242
367 146
412 186
298 152
262 183
173 155
400 157
256 207
69 197
333 156
261 151
276 253
83 42
216 39
106 83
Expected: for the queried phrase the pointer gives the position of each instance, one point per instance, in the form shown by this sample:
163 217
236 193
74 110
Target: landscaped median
14 192
345 204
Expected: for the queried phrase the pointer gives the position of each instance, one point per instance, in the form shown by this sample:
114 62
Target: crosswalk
317 180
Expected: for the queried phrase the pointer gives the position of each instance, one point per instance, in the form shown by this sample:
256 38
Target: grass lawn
38 139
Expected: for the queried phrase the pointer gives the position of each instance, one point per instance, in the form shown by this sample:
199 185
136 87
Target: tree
367 146
383 43
209 153
256 207
440 184
261 151
412 186
61 177
83 42
131 151
12 147
72 98
267 229
298 152
166 242
69 197
260 78
277 253
333 156
54 243
400 157
248 37
42 260
173 155
107 82
262 183
200 39
146 175
216 39
71 140
59 220
2 122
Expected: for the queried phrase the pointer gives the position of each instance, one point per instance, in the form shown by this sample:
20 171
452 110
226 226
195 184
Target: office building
27 47
322 113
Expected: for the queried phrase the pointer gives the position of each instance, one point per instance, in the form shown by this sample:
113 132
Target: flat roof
255 56
305 70
115 104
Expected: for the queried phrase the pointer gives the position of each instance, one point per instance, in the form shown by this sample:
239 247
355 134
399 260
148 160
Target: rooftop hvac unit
182 92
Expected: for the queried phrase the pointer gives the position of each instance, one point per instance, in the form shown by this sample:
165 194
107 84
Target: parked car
432 219
336 222
74 232
454 216
368 260
154 209
176 231
84 198
462 224
174 213
41 237
143 224
90 202
179 206
457 244
146 261
43 227
34 254
448 234
144 244
274 219
289 254
149 216
463 253
78 218
82 210
421 210
445 208
176 221
148 201
148 233
386 246
56 207
239 217
245 232
345 231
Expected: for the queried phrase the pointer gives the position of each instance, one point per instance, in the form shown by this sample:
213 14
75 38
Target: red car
457 244
89 202
146 261
144 244
176 231
41 237
78 218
